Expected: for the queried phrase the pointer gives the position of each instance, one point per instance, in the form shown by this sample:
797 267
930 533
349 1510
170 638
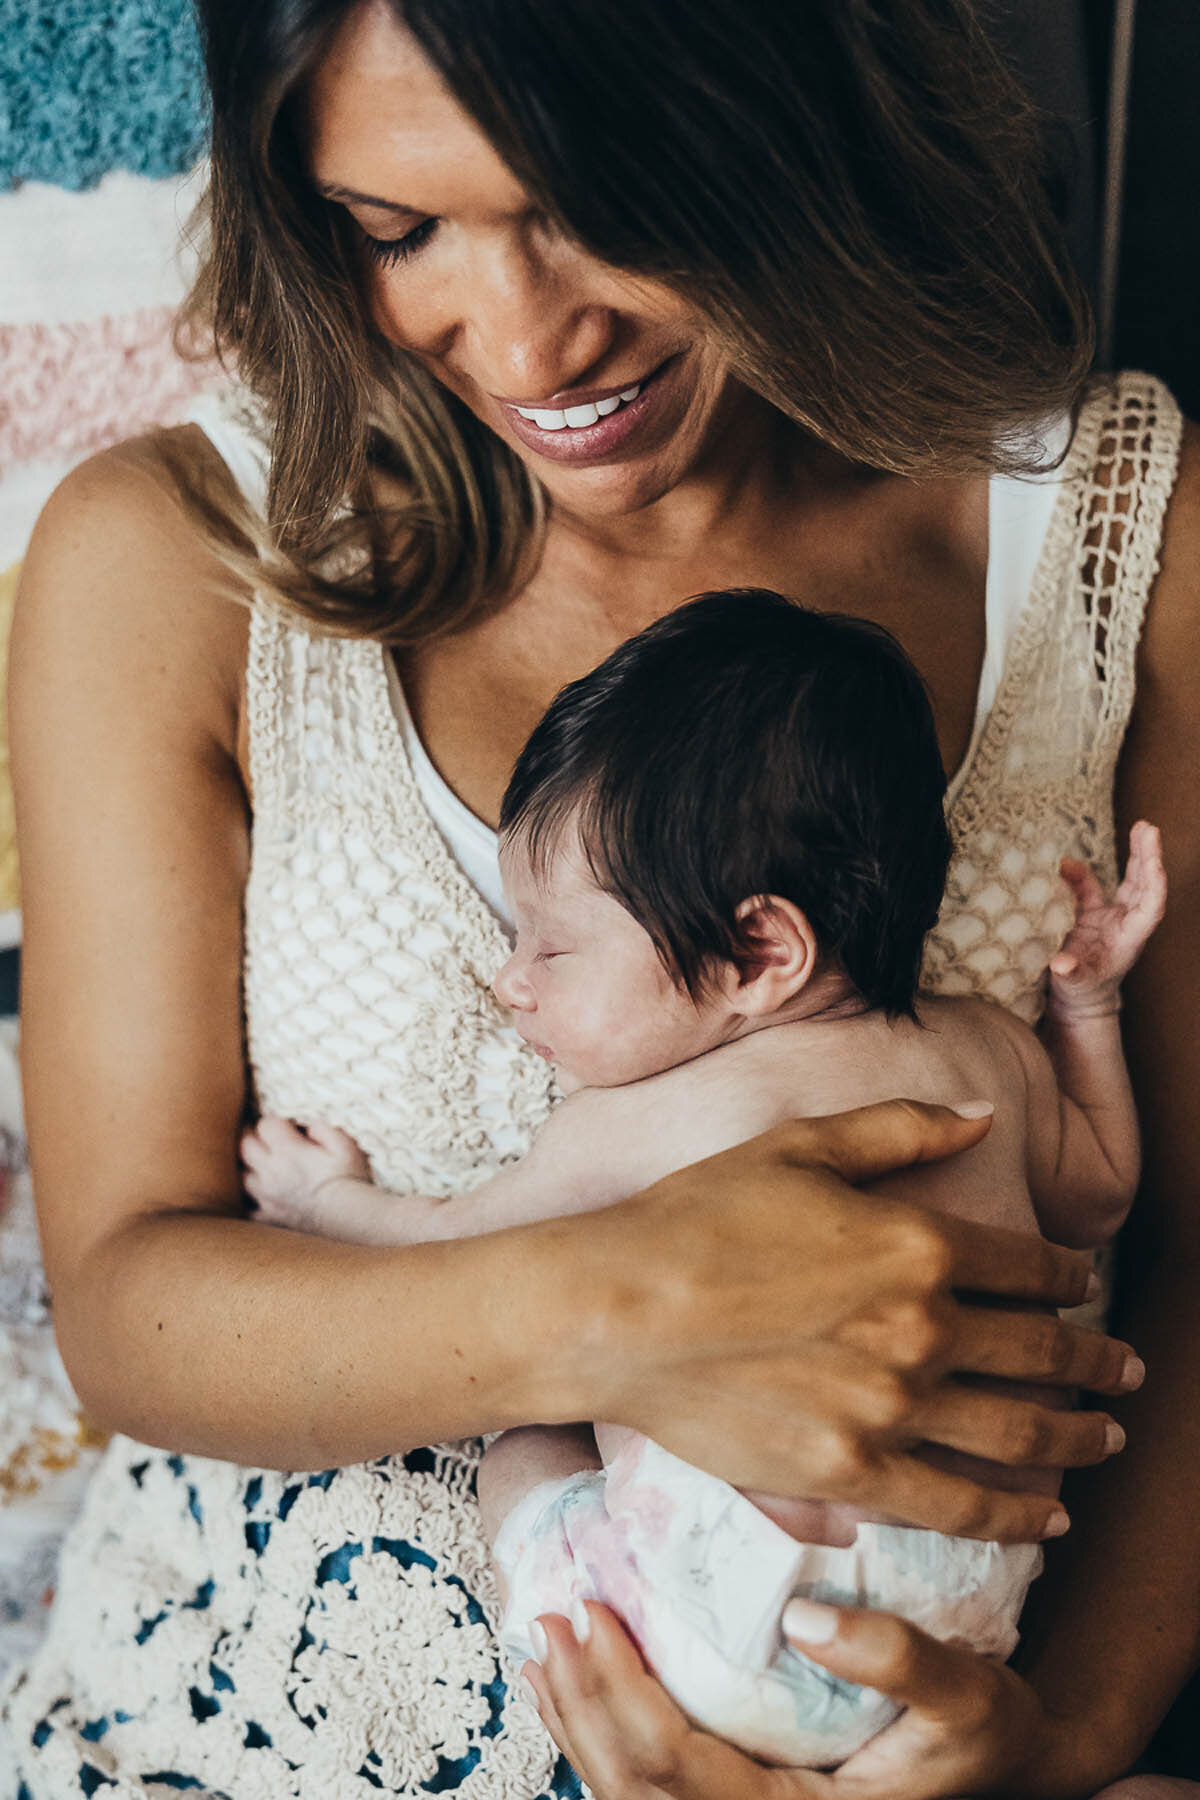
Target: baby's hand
1108 935
289 1172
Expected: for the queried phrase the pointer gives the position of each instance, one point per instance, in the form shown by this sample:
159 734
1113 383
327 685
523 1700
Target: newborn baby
723 850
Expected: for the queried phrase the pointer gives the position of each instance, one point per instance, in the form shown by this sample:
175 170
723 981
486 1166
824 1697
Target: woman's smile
592 425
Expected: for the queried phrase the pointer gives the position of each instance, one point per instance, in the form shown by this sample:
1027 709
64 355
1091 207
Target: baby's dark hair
743 745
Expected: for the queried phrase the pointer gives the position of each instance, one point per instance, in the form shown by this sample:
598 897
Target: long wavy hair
857 194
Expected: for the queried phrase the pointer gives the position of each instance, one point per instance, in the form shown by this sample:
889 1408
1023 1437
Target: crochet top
268 1636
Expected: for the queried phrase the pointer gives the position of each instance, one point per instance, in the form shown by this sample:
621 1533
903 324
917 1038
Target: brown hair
855 192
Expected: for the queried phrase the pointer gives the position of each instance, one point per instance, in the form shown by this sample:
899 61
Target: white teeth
575 418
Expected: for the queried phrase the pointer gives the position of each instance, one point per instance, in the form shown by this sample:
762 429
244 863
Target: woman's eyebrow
331 190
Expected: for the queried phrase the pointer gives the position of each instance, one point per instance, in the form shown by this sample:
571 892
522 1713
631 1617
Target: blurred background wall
1125 76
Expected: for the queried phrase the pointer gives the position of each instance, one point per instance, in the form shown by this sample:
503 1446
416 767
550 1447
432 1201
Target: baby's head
736 820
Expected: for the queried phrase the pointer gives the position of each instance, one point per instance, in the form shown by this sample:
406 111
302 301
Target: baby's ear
778 956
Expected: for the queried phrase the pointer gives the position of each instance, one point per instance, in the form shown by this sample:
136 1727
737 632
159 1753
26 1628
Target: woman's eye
545 956
390 251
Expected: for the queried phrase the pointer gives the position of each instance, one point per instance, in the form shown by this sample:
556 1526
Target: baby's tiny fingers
260 1192
279 1134
330 1137
1147 871
342 1148
1083 884
252 1150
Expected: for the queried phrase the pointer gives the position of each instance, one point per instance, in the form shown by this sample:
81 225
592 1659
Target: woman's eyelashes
390 251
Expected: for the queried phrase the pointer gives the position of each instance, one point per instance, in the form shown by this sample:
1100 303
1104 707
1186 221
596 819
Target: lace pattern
297 1637
1040 784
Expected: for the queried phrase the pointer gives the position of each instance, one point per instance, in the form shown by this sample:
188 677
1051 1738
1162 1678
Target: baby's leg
521 1460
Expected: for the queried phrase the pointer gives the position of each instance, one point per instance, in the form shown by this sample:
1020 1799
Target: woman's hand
771 1324
971 1727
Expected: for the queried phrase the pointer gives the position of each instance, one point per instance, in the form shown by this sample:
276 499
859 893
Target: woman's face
625 385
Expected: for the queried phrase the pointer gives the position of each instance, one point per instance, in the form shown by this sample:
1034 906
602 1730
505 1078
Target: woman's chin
602 492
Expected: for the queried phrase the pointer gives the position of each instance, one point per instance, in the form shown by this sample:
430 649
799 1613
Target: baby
723 850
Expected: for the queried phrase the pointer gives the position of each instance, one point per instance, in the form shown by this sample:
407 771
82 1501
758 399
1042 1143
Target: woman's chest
476 697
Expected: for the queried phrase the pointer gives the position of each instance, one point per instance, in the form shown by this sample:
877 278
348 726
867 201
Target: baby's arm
1085 1154
598 1147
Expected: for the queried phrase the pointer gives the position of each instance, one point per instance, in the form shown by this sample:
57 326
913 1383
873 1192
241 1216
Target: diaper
701 1577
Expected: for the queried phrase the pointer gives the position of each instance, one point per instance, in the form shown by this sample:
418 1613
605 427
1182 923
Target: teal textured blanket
92 85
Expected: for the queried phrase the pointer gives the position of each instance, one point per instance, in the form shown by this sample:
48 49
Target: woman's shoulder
1177 585
1168 666
119 577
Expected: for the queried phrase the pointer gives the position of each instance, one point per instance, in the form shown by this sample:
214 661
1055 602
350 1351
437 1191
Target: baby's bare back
959 1050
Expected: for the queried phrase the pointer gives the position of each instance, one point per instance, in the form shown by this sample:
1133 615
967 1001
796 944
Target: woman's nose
531 329
512 988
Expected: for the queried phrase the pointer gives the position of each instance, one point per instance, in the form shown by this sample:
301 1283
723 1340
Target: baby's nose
511 987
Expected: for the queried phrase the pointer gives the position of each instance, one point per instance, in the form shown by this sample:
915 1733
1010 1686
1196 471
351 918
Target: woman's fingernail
1134 1372
530 1693
1114 1438
1056 1524
812 1623
581 1625
1094 1285
539 1640
973 1109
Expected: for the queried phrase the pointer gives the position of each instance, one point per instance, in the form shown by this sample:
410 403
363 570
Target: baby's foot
1108 935
293 1174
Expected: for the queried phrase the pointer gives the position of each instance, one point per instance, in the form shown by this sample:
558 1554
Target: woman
769 270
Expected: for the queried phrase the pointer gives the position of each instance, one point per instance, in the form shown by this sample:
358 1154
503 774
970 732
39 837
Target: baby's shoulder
972 1027
971 1015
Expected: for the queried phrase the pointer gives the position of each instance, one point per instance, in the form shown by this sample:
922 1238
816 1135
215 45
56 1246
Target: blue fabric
87 86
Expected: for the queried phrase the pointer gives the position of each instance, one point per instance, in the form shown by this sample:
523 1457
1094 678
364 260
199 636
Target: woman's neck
757 466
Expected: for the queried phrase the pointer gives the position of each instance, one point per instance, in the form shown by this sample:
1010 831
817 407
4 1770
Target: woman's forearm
210 1334
692 1316
1113 1627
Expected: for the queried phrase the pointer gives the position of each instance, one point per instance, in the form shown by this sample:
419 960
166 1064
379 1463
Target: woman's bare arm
180 1322
1117 1617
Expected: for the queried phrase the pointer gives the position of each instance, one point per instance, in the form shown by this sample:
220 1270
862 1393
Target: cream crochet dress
262 1636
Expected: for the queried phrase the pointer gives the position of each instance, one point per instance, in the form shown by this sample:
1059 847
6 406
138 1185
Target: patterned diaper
701 1578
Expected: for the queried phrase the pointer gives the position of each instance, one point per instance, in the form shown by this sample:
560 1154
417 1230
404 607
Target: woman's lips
592 443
